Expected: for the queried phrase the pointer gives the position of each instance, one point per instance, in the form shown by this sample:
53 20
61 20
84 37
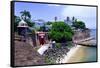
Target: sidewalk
43 48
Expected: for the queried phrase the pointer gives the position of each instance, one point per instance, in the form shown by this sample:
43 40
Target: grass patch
58 45
49 60
69 44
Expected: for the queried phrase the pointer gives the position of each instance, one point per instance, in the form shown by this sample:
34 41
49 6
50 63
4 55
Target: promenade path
88 42
43 48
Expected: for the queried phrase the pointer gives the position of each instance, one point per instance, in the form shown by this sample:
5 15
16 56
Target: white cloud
79 11
84 13
53 5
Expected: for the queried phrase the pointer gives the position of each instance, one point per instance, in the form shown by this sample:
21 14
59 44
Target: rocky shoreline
54 55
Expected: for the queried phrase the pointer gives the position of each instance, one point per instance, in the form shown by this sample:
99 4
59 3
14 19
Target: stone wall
81 34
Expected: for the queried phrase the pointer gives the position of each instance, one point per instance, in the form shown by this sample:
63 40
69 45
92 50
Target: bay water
90 52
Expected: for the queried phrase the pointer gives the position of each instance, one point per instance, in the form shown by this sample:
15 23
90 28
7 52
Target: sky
47 12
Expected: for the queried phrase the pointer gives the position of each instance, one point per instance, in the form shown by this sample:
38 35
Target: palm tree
16 21
73 18
55 19
67 18
25 15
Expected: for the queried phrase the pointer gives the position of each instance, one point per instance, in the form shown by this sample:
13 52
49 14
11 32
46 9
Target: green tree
16 21
30 23
26 16
79 25
61 32
43 28
48 23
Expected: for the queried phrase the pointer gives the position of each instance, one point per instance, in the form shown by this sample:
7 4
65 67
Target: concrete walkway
43 48
88 42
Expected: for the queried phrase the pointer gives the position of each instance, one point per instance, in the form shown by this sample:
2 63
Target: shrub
79 25
61 32
58 45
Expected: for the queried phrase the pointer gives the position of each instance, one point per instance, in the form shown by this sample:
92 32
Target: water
84 54
93 33
90 52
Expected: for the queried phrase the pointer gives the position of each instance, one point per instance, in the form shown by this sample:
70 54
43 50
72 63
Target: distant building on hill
69 20
39 23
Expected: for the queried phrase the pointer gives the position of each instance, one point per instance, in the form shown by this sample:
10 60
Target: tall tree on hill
55 19
79 25
16 21
25 15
